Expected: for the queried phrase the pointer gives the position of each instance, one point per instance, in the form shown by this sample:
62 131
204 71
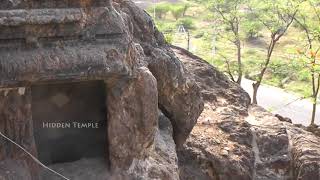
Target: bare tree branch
228 67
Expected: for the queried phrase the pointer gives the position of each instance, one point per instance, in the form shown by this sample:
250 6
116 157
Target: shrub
177 11
166 26
161 9
186 6
168 37
187 23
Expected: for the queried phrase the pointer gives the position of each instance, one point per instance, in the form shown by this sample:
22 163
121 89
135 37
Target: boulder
116 44
139 101
234 140
179 96
159 99
305 151
163 161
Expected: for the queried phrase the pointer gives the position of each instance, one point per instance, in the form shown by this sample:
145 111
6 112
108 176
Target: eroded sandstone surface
170 115
113 42
233 140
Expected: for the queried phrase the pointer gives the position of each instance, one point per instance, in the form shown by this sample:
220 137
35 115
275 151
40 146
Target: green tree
161 9
187 23
186 6
309 21
177 11
277 16
231 13
251 26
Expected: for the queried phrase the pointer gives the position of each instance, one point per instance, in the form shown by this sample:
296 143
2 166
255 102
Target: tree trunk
239 63
256 85
188 45
315 88
314 110
255 92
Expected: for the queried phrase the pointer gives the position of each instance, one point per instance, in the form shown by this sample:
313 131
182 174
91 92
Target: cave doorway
70 121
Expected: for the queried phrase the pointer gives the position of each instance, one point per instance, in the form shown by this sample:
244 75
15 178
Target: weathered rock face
233 140
214 85
305 154
13 170
163 161
116 43
137 102
220 143
178 94
154 96
21 4
15 114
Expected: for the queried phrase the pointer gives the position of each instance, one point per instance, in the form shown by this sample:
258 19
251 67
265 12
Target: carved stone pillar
16 123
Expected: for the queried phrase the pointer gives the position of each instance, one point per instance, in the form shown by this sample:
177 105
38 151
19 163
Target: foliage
178 11
166 27
186 6
309 22
187 23
168 37
277 16
161 9
274 15
251 26
231 13
255 37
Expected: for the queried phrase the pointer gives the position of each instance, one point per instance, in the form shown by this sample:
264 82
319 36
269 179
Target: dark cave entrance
70 121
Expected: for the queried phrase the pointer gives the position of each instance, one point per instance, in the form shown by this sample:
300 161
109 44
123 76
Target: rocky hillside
233 140
170 114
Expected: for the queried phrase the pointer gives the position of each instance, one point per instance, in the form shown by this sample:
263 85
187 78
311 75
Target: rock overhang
35 4
54 42
73 42
67 22
88 62
67 41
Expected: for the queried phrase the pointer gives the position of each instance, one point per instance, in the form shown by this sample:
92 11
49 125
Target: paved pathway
276 100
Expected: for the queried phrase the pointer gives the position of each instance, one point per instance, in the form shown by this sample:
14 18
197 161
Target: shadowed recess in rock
69 121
